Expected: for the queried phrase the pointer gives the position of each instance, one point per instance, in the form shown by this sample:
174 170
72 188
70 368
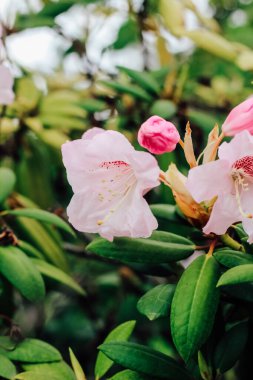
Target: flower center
242 174
117 180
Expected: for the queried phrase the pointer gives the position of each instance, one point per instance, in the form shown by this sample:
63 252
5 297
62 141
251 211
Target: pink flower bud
239 119
158 135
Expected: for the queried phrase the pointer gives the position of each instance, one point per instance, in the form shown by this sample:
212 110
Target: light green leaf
238 275
76 366
55 370
120 333
57 274
7 368
21 273
29 351
7 181
163 108
161 247
194 306
127 374
145 360
42 216
156 302
135 91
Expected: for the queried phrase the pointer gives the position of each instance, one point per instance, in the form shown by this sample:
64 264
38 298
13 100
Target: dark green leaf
145 360
230 258
156 302
29 351
231 346
94 105
21 272
120 333
42 216
7 182
161 247
127 34
194 306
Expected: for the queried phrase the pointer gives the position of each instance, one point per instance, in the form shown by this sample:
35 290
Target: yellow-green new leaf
76 366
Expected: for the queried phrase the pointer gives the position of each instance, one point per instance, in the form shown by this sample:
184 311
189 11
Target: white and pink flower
230 179
109 179
6 85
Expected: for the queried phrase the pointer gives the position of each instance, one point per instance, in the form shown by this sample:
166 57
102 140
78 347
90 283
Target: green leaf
29 249
194 306
42 216
142 78
120 333
51 371
127 374
161 247
21 273
76 366
231 346
7 368
156 302
238 275
94 105
163 108
230 258
145 360
128 33
57 274
7 181
29 351
135 91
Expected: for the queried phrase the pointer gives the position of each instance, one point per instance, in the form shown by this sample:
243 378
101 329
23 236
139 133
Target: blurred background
110 64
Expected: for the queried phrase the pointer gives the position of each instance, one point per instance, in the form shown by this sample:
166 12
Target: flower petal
206 181
225 212
240 146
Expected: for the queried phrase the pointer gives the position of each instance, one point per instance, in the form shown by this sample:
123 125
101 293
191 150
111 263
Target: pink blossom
230 179
239 119
109 178
158 135
6 84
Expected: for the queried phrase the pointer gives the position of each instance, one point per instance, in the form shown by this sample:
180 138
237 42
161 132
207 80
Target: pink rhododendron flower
230 179
239 119
158 135
109 178
6 84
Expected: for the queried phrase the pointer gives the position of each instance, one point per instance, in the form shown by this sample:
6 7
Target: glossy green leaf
230 258
161 247
21 273
237 275
120 333
42 216
29 351
7 368
231 346
127 374
194 306
76 366
135 91
142 78
7 182
163 108
145 360
157 301
57 274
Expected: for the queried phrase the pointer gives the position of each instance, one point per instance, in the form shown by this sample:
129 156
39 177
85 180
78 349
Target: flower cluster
6 78
110 178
